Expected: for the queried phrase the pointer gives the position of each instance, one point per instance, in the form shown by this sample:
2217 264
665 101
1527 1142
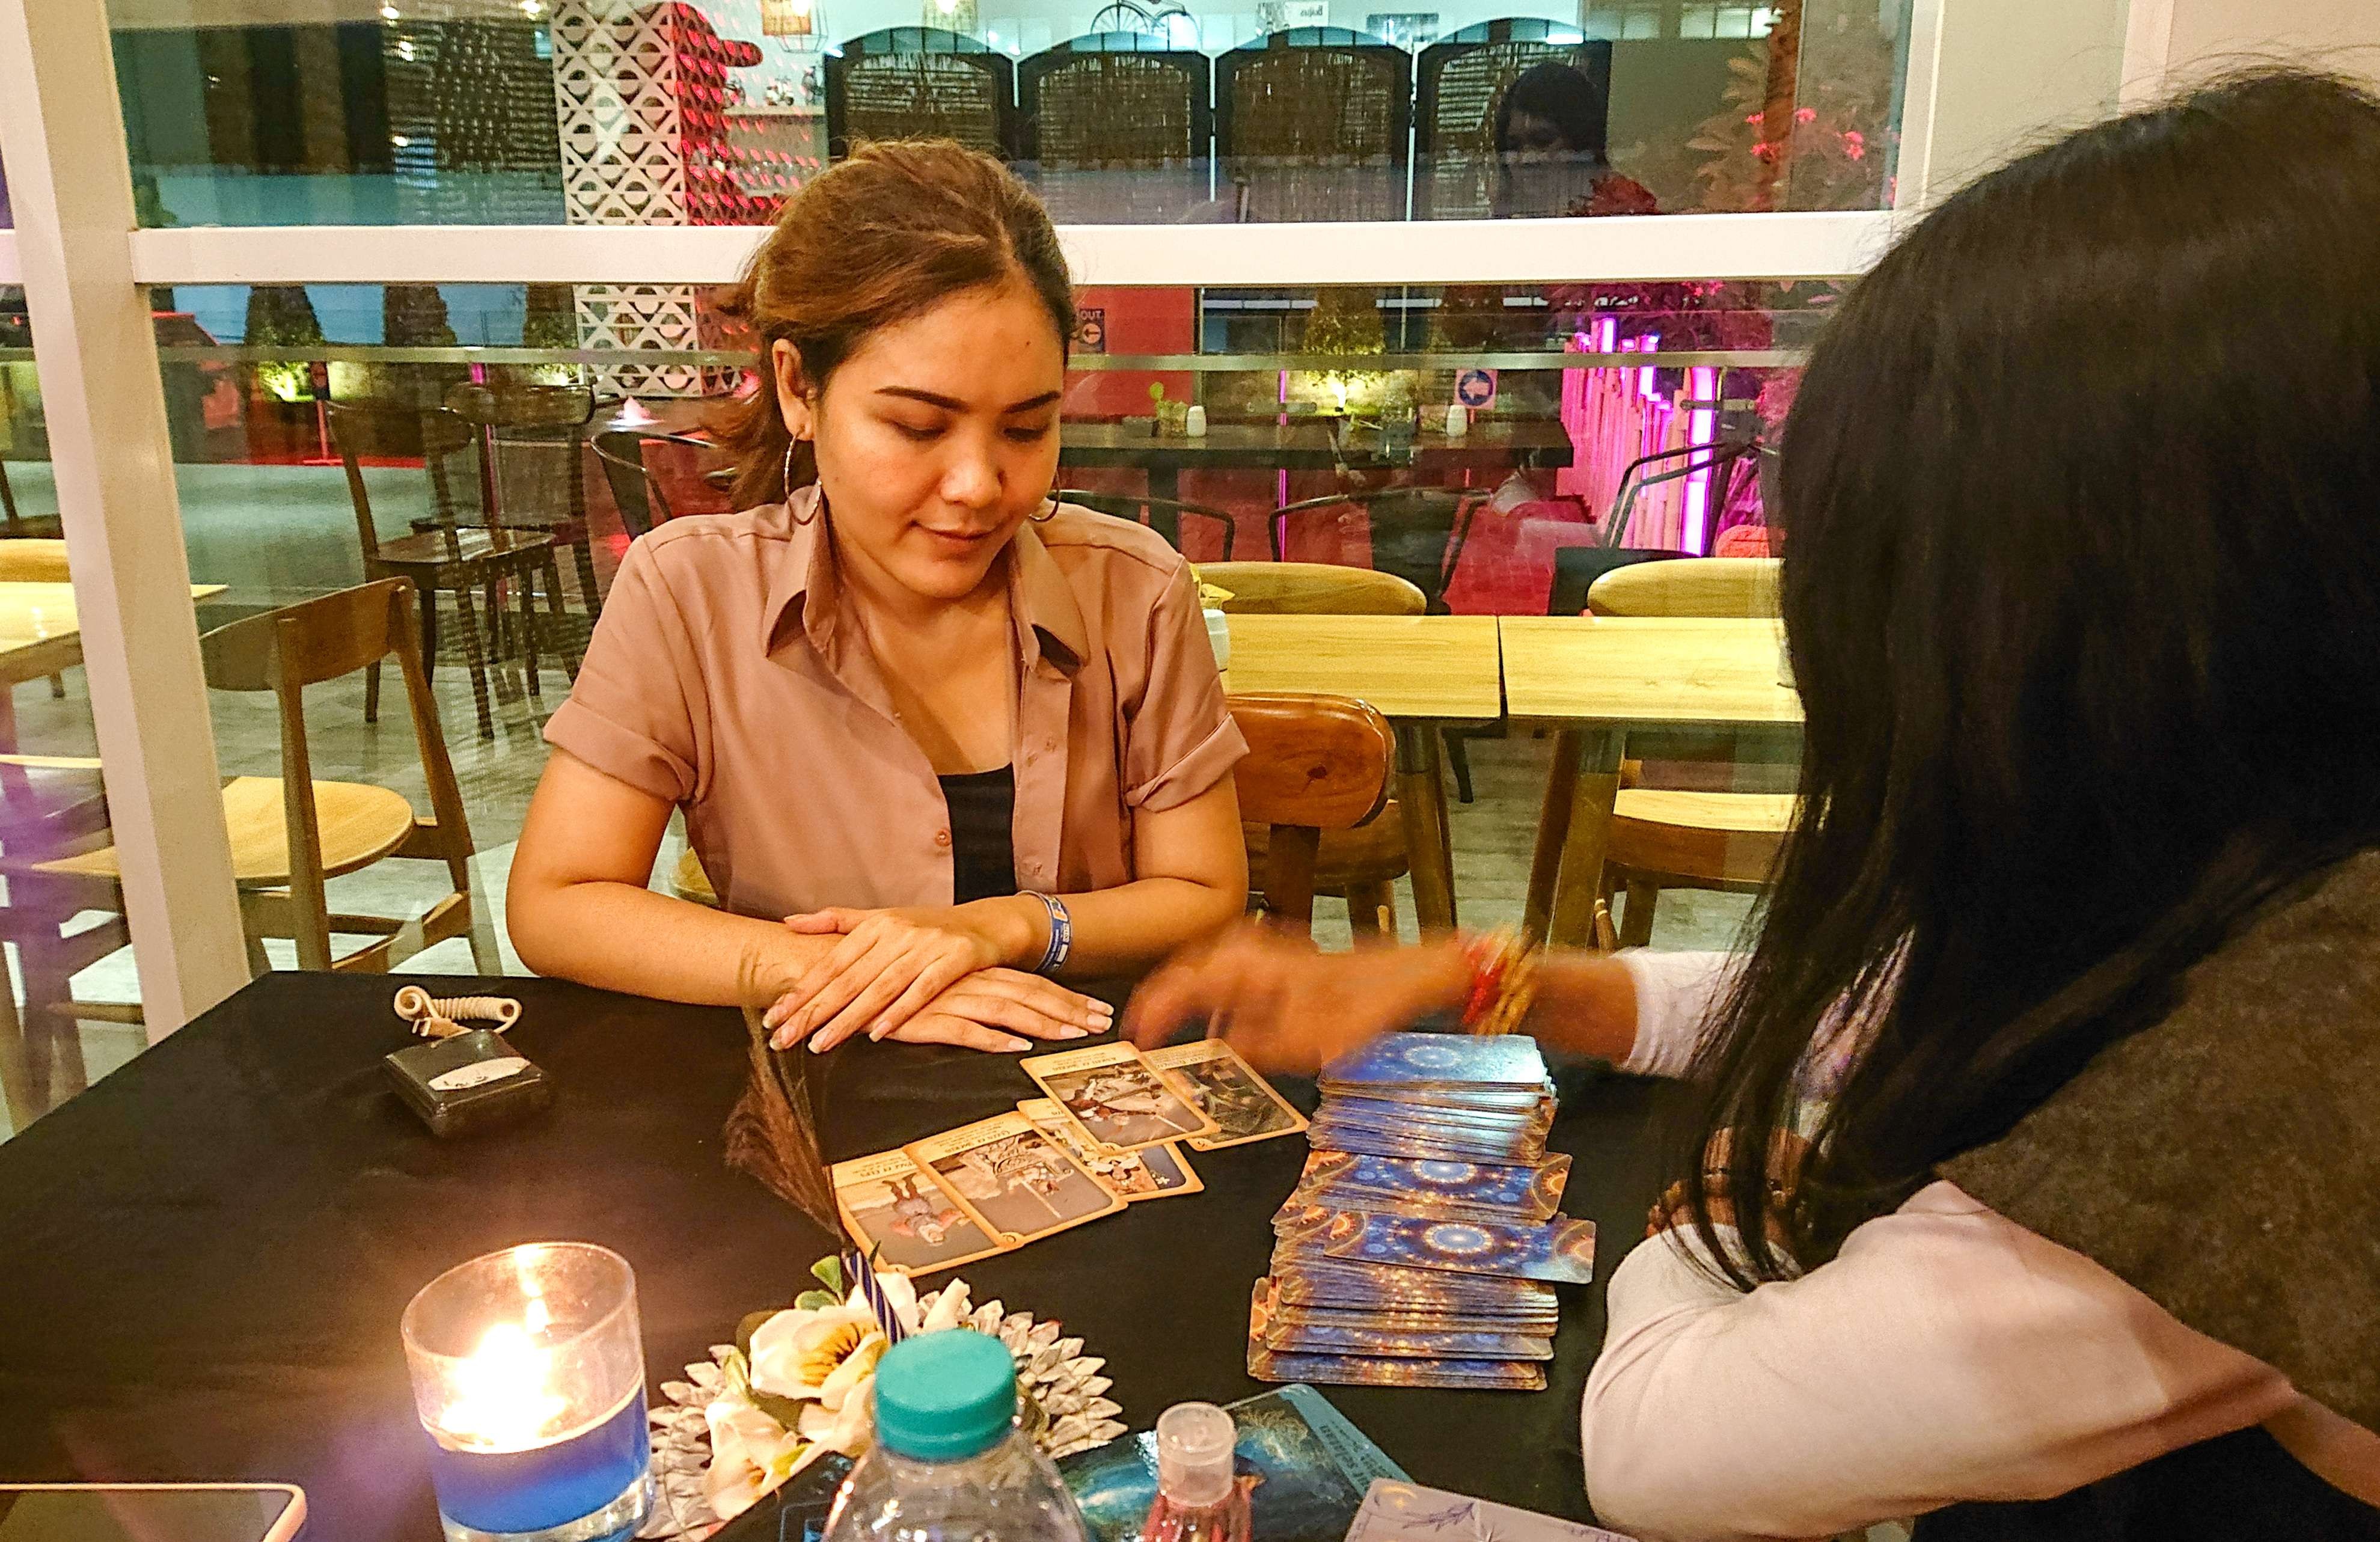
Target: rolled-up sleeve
1181 739
634 711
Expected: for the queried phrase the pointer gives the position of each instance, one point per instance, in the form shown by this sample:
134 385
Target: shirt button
942 837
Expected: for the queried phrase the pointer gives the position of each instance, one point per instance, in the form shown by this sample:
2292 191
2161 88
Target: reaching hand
1286 1007
889 964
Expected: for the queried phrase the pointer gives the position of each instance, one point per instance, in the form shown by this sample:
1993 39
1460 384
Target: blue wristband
1062 933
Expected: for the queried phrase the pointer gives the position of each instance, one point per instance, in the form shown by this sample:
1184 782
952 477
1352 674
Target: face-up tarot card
900 1215
1221 1086
1013 1176
1115 1099
1152 1173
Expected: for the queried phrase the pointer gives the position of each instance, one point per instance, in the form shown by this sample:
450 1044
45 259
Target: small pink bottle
1199 1498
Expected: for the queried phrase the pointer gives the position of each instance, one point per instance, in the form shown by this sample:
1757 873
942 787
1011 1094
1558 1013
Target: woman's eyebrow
952 404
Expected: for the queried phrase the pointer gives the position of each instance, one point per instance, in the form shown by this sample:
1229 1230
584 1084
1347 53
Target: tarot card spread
1424 1239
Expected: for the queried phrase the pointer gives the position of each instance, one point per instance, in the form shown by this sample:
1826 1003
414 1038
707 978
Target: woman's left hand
888 967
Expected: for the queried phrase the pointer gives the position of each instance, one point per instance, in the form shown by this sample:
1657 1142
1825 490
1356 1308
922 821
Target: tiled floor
279 534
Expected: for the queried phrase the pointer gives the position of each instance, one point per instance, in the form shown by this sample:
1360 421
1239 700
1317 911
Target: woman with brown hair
938 738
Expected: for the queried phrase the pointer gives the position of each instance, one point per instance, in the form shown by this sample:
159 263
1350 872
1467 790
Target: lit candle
529 1376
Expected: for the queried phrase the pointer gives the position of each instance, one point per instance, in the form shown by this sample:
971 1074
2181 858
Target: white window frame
123 523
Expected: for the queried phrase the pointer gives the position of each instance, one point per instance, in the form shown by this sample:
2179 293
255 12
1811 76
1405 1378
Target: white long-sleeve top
1946 1354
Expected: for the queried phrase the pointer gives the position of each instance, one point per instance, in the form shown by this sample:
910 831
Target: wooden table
1417 671
40 634
1613 680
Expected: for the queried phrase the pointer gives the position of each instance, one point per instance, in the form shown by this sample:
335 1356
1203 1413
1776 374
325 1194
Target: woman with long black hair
2035 1190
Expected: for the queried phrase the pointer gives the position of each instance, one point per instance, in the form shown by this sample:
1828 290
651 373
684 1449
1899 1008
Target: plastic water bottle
1199 1494
949 1463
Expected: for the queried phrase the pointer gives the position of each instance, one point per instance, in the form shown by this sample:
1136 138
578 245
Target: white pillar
62 135
1989 79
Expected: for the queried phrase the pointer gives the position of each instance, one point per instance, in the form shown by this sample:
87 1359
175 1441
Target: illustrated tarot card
1111 1093
1395 1511
1332 1282
901 1215
1348 1182
1020 1180
1310 1467
1438 1059
1561 1252
1391 1340
1152 1173
1223 1087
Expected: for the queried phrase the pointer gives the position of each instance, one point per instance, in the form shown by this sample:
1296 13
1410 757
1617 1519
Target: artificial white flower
950 1307
845 1424
750 1455
795 1353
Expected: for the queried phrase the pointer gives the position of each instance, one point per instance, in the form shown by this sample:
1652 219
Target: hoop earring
790 443
1049 511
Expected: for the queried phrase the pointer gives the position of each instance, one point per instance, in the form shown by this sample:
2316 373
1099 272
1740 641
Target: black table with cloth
207 1253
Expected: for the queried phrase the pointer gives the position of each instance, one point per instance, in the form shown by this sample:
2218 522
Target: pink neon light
1607 332
1702 429
1649 343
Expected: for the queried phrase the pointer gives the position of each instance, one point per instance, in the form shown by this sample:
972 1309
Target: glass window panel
605 112
1335 399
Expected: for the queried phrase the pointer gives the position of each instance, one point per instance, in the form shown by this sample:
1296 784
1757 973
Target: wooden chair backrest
1310 588
1737 587
27 560
1313 763
286 651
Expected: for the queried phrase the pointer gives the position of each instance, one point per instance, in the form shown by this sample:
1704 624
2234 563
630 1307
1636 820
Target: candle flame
503 1394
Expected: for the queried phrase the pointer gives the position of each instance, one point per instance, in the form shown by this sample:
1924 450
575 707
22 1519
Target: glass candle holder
528 1373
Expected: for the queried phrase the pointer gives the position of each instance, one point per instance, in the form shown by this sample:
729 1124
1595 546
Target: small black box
474 1081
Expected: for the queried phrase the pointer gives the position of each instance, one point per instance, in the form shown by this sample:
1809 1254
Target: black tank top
983 851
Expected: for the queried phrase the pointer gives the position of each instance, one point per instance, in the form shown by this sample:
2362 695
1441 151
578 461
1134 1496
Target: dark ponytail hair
2081 583
888 233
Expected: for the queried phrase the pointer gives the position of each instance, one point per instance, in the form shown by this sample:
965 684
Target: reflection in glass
627 111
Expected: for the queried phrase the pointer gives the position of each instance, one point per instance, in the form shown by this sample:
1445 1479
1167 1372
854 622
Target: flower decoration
799 1384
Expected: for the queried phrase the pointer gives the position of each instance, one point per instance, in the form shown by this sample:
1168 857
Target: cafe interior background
1294 216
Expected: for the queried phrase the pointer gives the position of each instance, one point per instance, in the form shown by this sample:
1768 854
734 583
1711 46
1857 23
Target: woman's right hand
1287 1007
999 1011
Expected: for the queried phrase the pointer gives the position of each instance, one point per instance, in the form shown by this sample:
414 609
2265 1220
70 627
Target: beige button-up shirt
728 676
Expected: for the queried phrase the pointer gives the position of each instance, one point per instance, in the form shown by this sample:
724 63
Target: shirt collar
1049 622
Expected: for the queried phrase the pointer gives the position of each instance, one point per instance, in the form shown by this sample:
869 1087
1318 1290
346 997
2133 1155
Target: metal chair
1315 123
920 83
451 558
639 495
1115 129
1417 533
1162 514
520 428
1458 81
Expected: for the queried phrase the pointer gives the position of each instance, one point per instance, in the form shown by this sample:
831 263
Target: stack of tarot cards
1423 1244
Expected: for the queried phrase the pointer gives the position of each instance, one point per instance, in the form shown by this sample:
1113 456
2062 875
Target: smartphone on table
151 1512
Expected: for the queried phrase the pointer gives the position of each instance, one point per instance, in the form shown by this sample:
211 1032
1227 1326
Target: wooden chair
689 882
454 558
16 525
1162 514
1676 837
290 833
1316 765
1360 862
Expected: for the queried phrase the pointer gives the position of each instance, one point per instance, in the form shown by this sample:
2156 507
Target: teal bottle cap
944 1397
